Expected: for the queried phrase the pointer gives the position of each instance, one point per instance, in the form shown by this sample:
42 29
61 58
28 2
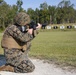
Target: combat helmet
22 19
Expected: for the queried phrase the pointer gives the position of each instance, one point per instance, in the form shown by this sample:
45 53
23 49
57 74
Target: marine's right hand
30 31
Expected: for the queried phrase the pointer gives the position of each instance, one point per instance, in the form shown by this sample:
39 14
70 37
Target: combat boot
7 68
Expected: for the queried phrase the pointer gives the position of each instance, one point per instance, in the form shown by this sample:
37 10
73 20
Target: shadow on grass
2 60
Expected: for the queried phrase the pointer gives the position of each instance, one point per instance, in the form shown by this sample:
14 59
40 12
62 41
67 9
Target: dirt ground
43 69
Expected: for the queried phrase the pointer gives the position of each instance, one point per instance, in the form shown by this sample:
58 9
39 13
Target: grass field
56 46
1 50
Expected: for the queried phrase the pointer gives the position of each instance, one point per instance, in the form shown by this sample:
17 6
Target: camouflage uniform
18 57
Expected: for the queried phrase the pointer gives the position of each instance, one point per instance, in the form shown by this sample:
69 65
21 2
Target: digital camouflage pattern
18 58
22 19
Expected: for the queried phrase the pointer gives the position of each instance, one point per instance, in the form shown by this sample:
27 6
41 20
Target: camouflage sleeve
17 34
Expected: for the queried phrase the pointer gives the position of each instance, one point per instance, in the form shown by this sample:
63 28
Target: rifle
32 25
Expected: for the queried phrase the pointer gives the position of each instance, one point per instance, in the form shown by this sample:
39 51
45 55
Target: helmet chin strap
23 28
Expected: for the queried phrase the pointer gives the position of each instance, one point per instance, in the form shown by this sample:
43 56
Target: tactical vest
12 43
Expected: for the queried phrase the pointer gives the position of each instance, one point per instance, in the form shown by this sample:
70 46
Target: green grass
56 46
1 50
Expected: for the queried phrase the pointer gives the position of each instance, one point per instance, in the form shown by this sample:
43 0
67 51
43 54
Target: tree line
64 12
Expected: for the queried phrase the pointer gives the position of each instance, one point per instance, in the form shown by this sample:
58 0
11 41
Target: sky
36 3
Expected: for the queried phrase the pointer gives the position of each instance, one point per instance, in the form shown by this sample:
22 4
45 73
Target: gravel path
42 69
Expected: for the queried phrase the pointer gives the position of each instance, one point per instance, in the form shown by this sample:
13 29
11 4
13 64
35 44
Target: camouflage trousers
19 60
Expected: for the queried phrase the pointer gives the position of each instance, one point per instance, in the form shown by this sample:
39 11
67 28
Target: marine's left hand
39 26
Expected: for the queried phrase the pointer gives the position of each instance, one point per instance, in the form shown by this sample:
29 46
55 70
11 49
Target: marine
16 43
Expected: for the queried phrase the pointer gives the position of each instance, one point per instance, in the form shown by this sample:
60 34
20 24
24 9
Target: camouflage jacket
14 32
